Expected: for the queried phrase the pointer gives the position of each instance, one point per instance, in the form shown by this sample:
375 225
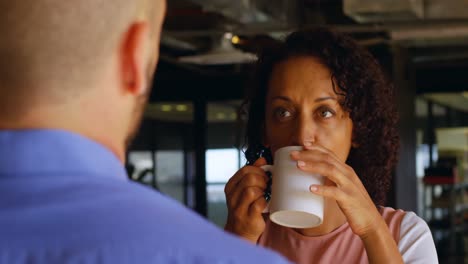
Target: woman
322 91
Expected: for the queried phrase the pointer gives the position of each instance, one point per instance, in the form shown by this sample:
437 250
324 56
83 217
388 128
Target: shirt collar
55 152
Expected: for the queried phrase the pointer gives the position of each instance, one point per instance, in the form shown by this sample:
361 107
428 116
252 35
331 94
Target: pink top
339 246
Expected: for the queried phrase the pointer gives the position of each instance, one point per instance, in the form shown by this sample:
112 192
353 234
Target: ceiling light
221 116
181 108
166 108
235 40
223 52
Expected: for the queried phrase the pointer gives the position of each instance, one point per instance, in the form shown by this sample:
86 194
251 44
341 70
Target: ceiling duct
252 11
446 9
364 11
368 11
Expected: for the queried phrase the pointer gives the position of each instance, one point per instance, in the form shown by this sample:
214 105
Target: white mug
292 204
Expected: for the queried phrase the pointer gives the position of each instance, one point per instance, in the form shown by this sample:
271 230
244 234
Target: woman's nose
305 131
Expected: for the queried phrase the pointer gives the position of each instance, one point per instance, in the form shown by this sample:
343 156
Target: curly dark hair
367 96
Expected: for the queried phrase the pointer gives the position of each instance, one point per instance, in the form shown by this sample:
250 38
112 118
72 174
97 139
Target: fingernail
313 188
307 144
300 163
294 153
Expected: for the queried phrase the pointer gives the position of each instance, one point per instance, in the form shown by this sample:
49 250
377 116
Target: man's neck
61 120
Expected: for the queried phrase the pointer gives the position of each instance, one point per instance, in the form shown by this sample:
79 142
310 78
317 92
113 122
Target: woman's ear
354 144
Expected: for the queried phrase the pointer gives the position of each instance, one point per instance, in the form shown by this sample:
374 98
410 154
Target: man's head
83 66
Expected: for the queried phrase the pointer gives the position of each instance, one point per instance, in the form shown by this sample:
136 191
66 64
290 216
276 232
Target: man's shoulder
130 220
168 222
181 233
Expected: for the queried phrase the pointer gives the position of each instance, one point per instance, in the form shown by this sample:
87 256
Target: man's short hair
48 45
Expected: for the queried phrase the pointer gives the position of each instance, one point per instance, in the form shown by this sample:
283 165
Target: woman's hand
245 201
349 192
353 200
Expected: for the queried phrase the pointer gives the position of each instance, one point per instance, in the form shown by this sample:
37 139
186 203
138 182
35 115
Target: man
74 78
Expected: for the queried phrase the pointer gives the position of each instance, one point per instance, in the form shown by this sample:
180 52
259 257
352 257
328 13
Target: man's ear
133 58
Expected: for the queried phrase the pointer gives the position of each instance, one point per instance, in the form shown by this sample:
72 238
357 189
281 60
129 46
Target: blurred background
190 142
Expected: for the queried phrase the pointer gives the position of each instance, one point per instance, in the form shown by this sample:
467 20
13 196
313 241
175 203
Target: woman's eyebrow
280 97
320 99
325 98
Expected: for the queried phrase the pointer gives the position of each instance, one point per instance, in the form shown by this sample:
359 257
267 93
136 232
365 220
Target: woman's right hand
246 202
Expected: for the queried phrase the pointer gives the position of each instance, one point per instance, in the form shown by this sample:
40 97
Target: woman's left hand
349 191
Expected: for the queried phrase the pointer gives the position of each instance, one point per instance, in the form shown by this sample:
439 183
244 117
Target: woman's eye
282 113
326 113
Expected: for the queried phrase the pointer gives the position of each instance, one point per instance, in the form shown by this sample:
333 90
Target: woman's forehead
301 76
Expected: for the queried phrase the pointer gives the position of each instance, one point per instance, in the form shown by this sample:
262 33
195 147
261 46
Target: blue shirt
67 199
